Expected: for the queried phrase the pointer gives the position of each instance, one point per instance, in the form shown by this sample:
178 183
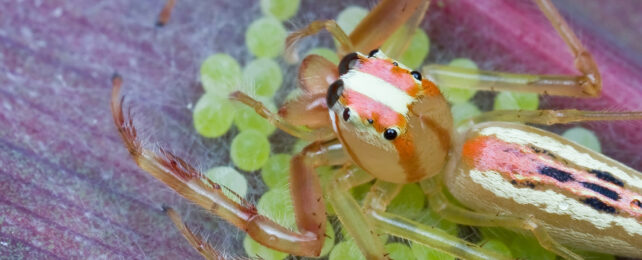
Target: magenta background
68 188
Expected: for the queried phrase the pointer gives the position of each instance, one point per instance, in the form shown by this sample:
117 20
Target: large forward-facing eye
390 133
334 92
348 62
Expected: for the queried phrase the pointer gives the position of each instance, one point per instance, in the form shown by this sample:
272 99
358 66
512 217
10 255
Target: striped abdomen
585 199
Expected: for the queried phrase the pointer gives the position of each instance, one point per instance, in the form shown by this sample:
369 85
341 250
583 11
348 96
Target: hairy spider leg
589 84
190 183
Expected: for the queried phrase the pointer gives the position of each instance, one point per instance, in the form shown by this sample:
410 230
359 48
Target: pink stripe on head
396 76
382 115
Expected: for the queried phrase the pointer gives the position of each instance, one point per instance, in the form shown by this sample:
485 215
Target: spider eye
416 75
346 114
334 92
390 134
348 62
373 53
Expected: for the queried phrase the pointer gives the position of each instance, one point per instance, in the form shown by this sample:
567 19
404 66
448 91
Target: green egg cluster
265 75
250 149
280 9
583 137
516 101
220 74
265 37
213 115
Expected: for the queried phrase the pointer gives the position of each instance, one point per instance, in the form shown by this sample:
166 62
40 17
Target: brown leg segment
382 22
399 45
312 29
190 183
589 84
166 13
197 242
305 187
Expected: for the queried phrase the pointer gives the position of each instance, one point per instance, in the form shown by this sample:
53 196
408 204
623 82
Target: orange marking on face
367 108
395 75
520 164
408 158
430 89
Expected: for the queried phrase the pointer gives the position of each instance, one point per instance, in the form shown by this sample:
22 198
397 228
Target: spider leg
316 74
190 183
441 205
551 117
384 20
197 242
313 28
396 46
166 13
350 214
589 84
375 204
323 133
371 32
309 108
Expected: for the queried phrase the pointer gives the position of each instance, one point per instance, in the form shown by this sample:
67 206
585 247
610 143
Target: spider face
373 95
371 107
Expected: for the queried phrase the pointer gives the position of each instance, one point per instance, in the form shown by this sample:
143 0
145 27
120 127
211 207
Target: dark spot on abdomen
601 190
557 174
606 176
598 205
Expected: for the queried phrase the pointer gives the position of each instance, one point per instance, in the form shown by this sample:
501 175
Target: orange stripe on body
408 158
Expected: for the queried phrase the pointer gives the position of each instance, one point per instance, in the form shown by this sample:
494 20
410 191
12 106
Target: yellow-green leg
442 206
551 117
350 214
294 130
375 205
589 84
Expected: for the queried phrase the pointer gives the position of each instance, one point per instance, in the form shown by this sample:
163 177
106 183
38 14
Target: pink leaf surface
68 188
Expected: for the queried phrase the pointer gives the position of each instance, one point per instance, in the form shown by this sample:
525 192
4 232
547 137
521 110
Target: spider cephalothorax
377 107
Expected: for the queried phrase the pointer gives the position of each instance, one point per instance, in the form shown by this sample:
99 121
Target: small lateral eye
348 62
373 53
394 63
416 75
370 121
346 114
390 134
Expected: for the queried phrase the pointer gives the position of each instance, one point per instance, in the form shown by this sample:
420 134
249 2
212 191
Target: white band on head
378 90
